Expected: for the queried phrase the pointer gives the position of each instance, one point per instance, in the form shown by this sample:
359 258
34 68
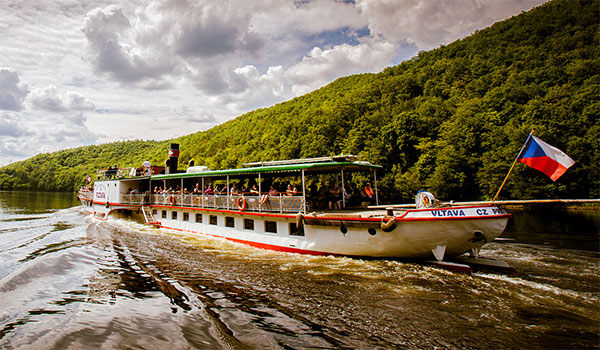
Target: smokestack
171 164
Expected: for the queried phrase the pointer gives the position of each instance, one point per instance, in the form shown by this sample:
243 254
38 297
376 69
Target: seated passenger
254 191
273 191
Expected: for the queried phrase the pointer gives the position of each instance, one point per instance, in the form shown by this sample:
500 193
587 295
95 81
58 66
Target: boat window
174 215
186 216
154 211
198 217
212 219
229 221
295 231
164 214
248 224
271 226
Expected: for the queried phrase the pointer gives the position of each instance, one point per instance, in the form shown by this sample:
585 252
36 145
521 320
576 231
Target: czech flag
545 158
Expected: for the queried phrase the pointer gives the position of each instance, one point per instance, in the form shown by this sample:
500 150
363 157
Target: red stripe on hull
258 245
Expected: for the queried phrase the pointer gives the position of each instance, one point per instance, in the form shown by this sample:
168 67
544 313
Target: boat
305 220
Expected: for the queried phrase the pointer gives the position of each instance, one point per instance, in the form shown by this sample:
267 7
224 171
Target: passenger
272 191
254 191
291 191
234 190
209 189
196 189
334 197
295 191
369 195
185 191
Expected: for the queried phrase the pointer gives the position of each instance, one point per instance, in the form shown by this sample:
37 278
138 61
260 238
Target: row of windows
270 226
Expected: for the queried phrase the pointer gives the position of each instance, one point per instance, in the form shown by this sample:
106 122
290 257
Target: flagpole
512 166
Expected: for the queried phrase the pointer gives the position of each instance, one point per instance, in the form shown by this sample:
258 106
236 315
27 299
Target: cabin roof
322 167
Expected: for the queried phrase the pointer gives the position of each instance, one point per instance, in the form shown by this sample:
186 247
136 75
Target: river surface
70 282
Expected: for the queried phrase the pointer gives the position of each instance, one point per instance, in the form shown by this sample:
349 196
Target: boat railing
85 194
134 198
279 203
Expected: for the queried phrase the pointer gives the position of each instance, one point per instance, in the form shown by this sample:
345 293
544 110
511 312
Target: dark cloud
104 30
12 92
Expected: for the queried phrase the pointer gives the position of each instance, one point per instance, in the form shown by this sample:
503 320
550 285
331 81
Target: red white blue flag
88 179
545 158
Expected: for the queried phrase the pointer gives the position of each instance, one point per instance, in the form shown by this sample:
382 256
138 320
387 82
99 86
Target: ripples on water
68 281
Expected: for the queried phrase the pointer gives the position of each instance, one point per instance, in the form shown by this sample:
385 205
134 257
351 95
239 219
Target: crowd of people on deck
323 196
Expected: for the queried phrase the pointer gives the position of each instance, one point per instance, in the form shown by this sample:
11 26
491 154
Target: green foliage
450 120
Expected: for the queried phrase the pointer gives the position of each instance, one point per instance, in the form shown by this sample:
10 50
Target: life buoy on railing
241 203
264 198
172 200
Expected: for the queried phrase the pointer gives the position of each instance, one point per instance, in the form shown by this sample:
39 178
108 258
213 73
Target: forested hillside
451 120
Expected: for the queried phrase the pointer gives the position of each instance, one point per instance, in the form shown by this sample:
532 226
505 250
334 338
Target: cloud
48 99
12 92
25 134
111 51
188 114
11 125
431 23
320 66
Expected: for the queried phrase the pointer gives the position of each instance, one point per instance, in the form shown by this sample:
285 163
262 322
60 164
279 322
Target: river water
70 282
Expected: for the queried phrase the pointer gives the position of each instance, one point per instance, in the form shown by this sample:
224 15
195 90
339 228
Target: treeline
450 120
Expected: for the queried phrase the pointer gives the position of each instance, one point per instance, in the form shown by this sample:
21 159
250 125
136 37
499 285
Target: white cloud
12 92
49 99
431 23
320 67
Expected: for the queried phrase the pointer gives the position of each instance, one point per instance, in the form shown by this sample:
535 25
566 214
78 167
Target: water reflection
14 202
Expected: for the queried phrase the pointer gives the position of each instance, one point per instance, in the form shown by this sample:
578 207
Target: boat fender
172 200
241 203
388 226
299 220
264 198
107 205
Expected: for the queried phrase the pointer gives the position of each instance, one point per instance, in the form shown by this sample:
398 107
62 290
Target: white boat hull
423 233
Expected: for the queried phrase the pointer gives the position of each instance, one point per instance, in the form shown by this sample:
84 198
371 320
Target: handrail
280 203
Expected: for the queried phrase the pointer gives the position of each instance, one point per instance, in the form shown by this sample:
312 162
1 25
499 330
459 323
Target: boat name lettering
448 212
498 211
482 212
100 195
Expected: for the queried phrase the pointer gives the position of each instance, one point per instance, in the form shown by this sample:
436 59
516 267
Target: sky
76 73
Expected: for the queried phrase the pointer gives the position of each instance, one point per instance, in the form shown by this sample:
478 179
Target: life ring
241 203
264 198
388 226
172 200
